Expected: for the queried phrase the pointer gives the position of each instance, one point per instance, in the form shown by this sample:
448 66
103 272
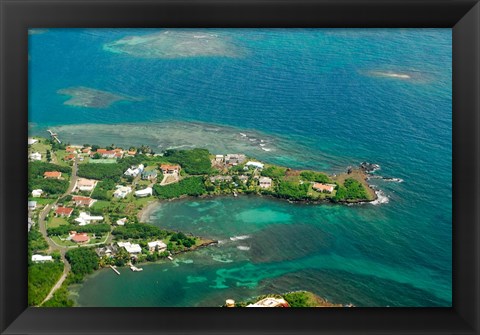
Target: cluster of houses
230 159
132 248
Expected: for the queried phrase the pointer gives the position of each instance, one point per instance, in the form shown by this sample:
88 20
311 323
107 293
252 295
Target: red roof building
70 157
169 169
63 211
52 174
83 201
80 237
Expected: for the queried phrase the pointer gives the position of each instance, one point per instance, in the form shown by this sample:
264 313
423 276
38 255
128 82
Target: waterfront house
79 237
71 150
86 185
328 188
87 151
121 222
122 191
131 248
37 193
219 158
32 205
234 159
52 175
215 179
265 182
256 165
36 156
243 178
144 193
63 211
170 169
41 258
149 175
152 246
270 302
83 201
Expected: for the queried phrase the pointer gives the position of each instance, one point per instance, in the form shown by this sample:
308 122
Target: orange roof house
70 157
79 237
169 169
63 211
52 174
83 201
324 187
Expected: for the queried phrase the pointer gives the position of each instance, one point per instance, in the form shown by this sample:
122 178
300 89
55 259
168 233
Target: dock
135 269
54 136
170 258
116 271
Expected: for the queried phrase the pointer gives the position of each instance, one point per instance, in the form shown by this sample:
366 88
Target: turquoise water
314 98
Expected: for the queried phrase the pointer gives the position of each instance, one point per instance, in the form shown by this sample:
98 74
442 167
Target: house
63 212
71 150
36 156
243 178
83 201
324 187
219 158
31 141
270 302
104 153
41 258
131 152
265 182
131 248
170 169
69 158
215 179
32 205
84 219
79 237
52 175
37 193
234 159
122 191
144 193
121 222
152 246
134 171
149 175
256 165
87 151
86 185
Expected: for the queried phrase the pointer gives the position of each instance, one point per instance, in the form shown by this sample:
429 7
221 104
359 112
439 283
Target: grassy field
102 161
62 243
100 204
56 221
42 201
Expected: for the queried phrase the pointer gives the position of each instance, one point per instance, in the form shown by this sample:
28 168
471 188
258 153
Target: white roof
265 179
41 258
121 222
256 164
219 156
32 140
155 243
147 190
130 247
85 218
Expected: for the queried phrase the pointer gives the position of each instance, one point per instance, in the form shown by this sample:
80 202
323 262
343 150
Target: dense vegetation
181 239
41 278
195 161
315 176
292 190
102 171
98 229
138 231
307 299
351 190
101 190
36 180
83 262
36 242
193 186
60 297
274 171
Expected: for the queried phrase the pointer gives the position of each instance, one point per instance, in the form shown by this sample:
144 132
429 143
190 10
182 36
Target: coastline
143 215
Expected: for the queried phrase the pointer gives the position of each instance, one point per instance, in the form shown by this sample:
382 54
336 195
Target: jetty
116 271
54 136
135 269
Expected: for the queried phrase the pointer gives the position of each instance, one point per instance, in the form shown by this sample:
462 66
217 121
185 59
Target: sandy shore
144 214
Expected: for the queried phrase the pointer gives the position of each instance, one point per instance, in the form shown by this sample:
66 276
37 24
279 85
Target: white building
144 193
84 219
37 193
41 258
121 222
257 165
153 245
265 182
130 247
134 171
32 205
36 156
31 141
219 158
122 191
86 185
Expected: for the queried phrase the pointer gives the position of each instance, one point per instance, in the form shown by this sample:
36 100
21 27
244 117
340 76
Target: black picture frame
19 15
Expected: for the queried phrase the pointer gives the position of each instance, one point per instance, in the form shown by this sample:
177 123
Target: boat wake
243 247
240 237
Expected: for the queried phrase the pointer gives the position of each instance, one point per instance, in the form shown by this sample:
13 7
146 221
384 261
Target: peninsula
93 197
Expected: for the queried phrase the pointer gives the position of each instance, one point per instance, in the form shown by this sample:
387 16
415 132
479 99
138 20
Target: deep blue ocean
323 99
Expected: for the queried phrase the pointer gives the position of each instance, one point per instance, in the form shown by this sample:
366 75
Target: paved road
52 246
